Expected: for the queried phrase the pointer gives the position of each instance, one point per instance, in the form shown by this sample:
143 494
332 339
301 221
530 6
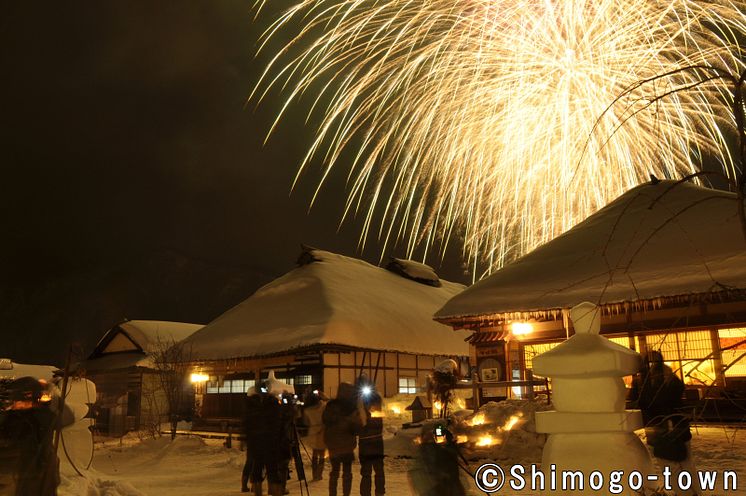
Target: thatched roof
661 243
333 300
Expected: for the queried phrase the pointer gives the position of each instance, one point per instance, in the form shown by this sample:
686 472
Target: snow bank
502 431
498 431
93 484
195 467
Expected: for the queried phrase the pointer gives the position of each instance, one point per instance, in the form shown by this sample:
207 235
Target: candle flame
478 419
486 440
511 422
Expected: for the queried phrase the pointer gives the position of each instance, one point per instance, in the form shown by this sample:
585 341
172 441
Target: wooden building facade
321 368
666 264
129 395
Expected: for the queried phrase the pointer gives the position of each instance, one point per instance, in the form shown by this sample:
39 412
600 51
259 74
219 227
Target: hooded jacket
343 419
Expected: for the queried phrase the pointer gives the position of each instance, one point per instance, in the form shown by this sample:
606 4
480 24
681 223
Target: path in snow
193 466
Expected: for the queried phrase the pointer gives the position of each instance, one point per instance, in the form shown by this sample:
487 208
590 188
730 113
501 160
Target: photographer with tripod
289 442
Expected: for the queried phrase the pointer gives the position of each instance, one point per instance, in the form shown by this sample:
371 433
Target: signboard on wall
491 368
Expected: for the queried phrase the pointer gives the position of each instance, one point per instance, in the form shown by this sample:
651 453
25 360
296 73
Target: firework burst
480 118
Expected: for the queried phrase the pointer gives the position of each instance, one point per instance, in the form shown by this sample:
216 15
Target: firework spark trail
476 117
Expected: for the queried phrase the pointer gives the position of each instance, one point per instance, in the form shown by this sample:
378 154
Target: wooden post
717 358
530 378
475 390
507 346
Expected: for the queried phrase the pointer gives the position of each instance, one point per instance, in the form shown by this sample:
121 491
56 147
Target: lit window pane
303 379
733 344
407 385
532 350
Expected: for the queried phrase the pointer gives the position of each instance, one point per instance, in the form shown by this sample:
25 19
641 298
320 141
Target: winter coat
435 470
371 437
263 427
658 393
343 419
312 417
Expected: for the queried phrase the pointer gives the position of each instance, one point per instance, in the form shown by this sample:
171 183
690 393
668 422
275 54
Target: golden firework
480 118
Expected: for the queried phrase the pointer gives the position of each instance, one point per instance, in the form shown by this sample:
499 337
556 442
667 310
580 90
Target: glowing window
303 380
407 385
532 350
688 353
733 346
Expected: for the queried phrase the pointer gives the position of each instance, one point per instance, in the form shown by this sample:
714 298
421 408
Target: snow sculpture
590 430
274 386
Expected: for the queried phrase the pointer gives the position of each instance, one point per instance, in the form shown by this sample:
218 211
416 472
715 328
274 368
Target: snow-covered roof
148 333
336 300
130 343
659 242
13 370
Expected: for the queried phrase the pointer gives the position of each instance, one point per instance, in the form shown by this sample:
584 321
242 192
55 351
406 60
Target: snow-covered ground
196 466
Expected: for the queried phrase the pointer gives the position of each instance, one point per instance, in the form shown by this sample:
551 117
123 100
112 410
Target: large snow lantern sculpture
590 430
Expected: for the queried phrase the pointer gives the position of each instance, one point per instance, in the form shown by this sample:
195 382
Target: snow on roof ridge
147 333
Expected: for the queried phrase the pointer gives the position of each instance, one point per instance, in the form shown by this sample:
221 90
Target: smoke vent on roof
415 271
306 255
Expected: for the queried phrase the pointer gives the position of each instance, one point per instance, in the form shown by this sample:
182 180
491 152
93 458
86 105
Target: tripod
295 445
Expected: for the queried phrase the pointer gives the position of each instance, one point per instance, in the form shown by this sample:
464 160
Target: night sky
135 183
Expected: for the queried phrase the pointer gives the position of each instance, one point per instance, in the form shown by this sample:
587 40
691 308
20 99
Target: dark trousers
369 464
248 466
255 467
317 463
284 470
345 462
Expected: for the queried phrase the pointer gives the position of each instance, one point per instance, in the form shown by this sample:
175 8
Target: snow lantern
421 409
590 430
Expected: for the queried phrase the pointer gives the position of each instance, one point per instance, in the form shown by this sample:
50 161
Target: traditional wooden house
122 366
328 321
667 264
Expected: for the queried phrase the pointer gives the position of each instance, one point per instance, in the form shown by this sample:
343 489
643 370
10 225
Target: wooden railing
527 385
